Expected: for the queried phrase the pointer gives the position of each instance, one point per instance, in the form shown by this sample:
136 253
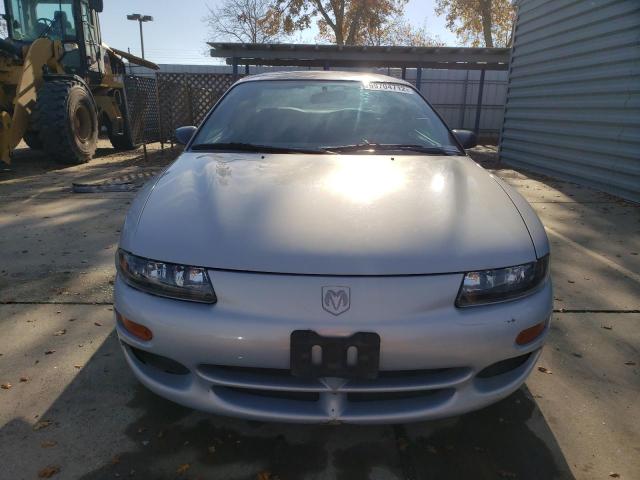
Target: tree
399 31
343 22
477 22
246 21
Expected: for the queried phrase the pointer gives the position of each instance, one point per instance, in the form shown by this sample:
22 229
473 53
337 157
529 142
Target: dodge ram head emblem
336 300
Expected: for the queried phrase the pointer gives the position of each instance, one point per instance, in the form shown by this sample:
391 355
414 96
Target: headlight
182 282
499 285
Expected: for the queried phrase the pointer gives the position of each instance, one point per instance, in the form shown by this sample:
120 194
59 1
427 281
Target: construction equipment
59 84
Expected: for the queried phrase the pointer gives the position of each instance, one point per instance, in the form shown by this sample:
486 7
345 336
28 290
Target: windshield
320 115
31 19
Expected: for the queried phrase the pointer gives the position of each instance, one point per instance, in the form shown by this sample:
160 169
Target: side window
56 20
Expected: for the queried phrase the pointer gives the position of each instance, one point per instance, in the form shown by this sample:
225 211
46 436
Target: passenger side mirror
97 5
466 138
184 134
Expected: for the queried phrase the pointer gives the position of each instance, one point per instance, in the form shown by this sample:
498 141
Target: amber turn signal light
135 329
530 334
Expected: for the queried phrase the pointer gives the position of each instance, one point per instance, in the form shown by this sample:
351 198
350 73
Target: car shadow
28 164
106 425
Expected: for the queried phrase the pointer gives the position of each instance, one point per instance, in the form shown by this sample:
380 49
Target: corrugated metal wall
573 101
454 93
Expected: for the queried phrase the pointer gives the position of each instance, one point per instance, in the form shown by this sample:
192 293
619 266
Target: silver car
325 251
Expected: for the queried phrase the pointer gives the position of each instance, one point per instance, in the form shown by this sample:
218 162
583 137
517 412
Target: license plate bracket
334 355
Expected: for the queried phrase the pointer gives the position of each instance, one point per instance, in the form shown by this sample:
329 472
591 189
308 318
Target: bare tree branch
246 21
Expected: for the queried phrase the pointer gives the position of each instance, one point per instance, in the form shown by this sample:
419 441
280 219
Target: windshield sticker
388 87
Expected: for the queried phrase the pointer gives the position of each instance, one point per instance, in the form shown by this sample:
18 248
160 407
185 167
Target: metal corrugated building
573 100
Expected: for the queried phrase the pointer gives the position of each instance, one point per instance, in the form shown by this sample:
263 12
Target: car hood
328 215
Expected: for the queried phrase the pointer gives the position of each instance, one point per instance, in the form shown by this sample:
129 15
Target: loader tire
67 121
123 141
32 139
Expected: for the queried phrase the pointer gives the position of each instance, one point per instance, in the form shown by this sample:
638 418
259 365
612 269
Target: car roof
323 75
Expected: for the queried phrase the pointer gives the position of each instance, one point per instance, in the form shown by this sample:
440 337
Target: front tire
32 139
124 140
67 121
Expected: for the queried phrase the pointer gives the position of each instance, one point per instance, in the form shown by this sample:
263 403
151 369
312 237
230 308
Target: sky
178 33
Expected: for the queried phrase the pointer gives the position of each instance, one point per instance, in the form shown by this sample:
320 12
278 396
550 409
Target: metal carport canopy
302 55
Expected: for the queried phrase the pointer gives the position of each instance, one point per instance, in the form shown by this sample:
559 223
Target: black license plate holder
334 355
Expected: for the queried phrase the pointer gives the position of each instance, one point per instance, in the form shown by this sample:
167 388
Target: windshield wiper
250 147
393 147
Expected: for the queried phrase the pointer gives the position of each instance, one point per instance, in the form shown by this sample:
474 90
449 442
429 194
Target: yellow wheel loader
59 84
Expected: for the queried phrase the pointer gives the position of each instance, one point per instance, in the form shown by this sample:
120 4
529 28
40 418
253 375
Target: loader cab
73 22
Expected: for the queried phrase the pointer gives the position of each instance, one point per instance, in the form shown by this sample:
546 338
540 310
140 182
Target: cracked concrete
579 421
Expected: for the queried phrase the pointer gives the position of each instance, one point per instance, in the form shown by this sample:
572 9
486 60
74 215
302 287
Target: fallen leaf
631 364
49 471
60 332
614 475
6 386
263 476
97 324
545 370
577 355
607 327
571 281
49 352
42 424
182 469
48 444
24 379
77 366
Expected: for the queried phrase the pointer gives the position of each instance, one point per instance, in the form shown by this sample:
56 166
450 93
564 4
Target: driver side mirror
97 5
466 138
184 134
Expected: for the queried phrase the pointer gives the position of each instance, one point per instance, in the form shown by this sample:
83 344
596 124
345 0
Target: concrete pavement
74 407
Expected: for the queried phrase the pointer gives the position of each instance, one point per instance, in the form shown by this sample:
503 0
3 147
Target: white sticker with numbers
388 87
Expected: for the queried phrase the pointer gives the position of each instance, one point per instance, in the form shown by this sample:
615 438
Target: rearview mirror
96 5
184 134
466 138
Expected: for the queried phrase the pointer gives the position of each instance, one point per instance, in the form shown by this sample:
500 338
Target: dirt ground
71 405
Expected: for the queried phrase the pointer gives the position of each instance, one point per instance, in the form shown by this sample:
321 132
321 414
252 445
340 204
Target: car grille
272 390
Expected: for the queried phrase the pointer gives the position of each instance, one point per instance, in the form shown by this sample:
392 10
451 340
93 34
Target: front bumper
236 352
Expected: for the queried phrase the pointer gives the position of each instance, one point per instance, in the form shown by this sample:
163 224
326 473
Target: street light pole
140 18
141 39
